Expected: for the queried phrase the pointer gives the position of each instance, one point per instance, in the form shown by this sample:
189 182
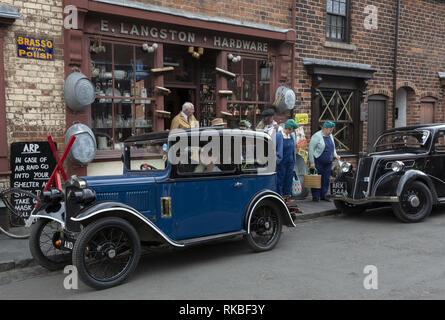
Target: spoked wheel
20 204
45 245
265 227
415 203
107 252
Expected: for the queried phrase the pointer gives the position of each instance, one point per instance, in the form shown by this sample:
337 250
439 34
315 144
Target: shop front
145 64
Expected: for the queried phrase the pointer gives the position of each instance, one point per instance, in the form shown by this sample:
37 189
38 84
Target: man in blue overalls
321 154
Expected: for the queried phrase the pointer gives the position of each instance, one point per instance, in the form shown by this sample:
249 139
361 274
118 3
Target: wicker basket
312 180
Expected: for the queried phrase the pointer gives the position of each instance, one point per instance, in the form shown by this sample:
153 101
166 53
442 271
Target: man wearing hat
321 154
219 123
268 125
286 145
244 125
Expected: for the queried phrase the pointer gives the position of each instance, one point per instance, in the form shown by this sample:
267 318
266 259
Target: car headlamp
346 167
397 166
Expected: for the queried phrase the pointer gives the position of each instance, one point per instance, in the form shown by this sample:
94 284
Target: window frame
116 153
240 105
346 19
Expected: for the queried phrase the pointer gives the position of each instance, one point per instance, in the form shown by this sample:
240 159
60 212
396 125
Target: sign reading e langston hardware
31 48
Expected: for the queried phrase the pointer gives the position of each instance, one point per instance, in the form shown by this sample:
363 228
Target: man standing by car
268 124
186 119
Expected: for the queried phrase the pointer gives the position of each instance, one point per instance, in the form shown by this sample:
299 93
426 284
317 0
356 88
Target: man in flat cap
268 124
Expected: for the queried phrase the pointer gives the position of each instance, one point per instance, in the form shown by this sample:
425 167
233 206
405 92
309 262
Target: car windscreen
148 155
412 141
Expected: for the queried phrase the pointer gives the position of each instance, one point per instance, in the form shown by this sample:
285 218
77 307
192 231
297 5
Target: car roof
431 126
177 133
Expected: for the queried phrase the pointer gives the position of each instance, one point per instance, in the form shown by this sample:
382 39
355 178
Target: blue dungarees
285 169
324 168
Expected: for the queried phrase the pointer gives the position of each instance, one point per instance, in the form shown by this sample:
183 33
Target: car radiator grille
363 178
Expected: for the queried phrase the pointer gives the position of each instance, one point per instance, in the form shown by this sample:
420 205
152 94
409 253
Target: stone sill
340 45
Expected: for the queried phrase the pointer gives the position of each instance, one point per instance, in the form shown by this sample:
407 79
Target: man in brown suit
186 119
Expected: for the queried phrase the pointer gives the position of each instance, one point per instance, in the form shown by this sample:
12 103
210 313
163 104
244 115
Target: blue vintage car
101 222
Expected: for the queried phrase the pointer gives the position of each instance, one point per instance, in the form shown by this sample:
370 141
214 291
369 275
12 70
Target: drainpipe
396 56
294 27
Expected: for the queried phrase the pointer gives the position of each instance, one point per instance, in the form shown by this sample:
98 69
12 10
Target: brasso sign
167 34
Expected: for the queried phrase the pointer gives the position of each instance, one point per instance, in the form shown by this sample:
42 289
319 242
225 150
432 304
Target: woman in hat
321 154
286 144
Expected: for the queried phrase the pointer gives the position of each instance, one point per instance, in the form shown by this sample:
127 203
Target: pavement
15 254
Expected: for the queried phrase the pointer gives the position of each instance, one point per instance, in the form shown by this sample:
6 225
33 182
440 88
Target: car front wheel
415 203
265 227
106 252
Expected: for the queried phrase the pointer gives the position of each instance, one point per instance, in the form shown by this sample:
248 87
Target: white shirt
185 116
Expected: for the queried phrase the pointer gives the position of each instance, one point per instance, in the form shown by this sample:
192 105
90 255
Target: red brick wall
421 53
373 47
275 13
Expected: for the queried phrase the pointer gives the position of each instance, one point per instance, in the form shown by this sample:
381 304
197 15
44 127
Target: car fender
109 208
54 216
268 194
416 175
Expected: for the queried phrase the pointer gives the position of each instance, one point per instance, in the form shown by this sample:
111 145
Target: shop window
124 94
337 20
337 106
251 89
207 91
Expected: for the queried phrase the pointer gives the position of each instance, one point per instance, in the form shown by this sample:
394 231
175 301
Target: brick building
365 67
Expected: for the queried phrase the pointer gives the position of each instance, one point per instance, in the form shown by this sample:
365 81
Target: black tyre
107 252
415 203
349 209
265 227
42 244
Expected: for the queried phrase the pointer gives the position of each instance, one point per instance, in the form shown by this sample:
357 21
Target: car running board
195 241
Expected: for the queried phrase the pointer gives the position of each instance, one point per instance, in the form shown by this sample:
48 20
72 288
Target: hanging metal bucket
284 99
84 148
79 91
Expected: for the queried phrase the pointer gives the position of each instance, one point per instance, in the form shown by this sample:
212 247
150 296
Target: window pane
124 122
329 6
123 71
144 79
264 81
343 8
235 84
144 118
335 7
249 83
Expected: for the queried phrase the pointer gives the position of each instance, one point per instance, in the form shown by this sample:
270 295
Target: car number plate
338 187
68 245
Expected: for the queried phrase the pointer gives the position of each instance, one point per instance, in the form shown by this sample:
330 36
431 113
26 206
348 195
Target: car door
437 167
201 201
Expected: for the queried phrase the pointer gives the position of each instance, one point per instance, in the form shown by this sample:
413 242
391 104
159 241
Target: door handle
238 185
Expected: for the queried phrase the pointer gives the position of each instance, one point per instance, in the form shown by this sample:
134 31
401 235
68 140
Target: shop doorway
174 101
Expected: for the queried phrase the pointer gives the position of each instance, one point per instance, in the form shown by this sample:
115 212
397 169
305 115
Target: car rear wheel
415 203
347 208
265 227
107 252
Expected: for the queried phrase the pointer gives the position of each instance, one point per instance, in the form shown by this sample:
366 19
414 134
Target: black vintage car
406 170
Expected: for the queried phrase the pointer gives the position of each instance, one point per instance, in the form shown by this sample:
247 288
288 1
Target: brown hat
218 122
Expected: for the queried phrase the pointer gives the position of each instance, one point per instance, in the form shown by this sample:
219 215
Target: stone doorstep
29 262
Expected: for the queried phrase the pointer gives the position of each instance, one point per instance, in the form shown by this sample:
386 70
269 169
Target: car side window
204 162
439 142
251 159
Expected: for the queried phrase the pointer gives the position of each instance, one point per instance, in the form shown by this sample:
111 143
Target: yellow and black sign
302 118
32 48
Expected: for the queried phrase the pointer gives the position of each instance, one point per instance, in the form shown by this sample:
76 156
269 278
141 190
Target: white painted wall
401 98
